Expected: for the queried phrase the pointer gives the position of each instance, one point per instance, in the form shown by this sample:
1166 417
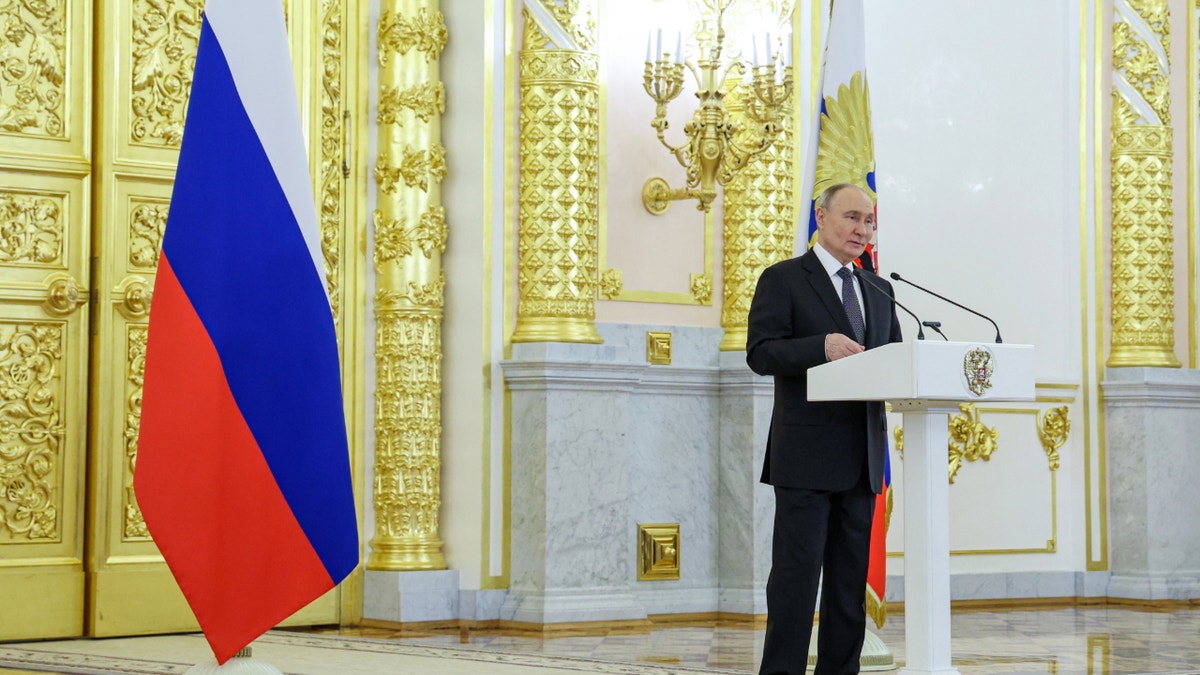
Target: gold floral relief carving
33 57
135 364
408 424
611 283
1139 64
31 431
428 296
702 288
426 33
576 18
395 238
334 167
416 168
31 227
1054 426
165 36
147 220
970 439
424 100
532 37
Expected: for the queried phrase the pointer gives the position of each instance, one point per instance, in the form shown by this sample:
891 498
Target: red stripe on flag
206 480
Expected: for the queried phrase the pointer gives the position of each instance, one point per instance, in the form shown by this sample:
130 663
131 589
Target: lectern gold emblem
978 365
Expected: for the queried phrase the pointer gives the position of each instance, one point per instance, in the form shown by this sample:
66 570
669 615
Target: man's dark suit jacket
818 445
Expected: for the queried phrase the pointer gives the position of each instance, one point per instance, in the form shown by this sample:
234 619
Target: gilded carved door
87 157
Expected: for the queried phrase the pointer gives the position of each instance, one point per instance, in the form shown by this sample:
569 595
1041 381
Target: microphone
937 328
897 277
883 291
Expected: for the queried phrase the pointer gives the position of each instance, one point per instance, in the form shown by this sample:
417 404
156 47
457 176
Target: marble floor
1101 640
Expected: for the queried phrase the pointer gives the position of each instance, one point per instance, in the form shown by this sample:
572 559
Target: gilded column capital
1143 282
558 204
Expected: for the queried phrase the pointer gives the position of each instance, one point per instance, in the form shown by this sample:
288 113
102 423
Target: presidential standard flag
243 473
841 150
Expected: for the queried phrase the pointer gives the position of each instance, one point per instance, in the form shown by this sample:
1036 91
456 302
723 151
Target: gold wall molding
658 551
411 233
760 214
32 226
31 402
1053 429
1143 282
165 37
32 89
559 190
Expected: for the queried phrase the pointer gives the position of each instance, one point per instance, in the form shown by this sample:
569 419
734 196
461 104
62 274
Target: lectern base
875 655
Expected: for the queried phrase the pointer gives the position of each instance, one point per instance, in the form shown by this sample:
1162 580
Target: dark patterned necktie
850 304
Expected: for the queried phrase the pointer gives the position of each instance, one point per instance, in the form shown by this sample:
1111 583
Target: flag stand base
875 655
240 664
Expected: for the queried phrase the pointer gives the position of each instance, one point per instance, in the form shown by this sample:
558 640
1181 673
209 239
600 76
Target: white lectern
925 381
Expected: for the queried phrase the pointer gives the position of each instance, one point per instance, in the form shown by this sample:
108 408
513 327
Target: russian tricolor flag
243 472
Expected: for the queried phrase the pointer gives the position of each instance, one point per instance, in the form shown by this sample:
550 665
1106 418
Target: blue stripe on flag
236 248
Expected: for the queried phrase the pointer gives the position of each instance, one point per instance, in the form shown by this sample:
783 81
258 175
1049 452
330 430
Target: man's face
846 224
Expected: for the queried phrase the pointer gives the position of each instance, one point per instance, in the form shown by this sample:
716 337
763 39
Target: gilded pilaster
559 174
410 237
760 215
1143 291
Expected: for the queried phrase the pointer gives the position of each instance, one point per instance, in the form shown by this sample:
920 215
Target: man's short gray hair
829 193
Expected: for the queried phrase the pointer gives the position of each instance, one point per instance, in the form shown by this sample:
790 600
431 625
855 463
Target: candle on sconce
754 43
658 46
789 51
649 39
679 47
770 61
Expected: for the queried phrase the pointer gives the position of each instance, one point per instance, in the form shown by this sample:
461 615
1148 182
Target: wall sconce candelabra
711 154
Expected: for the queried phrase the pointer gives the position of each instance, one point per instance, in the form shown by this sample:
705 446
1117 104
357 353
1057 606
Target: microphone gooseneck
936 326
897 277
867 282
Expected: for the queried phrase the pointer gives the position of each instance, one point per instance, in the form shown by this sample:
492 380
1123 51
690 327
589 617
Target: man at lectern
824 458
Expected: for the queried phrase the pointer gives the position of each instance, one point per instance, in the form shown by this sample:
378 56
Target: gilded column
760 215
559 173
1143 242
410 236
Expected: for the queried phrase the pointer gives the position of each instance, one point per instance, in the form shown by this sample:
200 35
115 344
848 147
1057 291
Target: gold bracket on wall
658 348
658 551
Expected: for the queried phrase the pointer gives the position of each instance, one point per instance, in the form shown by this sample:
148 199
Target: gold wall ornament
165 37
1143 284
147 221
424 100
411 233
716 146
135 357
401 31
334 170
31 405
760 214
611 283
970 439
31 225
33 66
1054 426
701 286
658 551
658 347
558 202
